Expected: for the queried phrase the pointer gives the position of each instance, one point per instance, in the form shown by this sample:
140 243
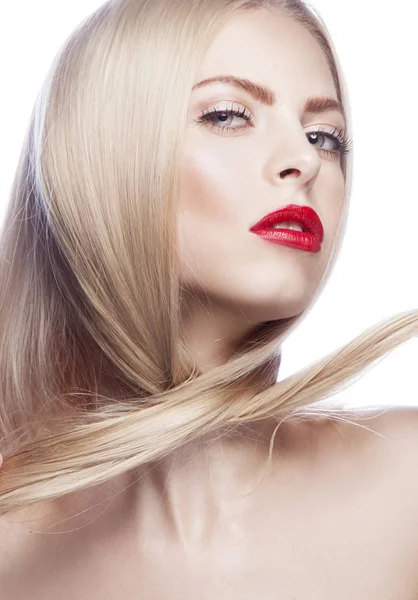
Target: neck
207 486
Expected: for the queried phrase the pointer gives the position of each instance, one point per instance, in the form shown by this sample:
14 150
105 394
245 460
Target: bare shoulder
396 444
372 451
394 429
395 424
362 430
385 437
399 420
372 457
384 446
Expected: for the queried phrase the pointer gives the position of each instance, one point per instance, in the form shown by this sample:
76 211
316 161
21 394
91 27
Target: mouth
290 216
293 225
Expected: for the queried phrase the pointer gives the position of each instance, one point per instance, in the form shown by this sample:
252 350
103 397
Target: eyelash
344 143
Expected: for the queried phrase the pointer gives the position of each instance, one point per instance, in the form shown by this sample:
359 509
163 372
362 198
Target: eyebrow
315 104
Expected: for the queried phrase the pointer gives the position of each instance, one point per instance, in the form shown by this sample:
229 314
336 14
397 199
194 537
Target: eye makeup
338 138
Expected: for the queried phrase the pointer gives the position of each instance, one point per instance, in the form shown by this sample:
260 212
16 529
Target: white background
375 276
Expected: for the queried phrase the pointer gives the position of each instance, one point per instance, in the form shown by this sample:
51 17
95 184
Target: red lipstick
310 239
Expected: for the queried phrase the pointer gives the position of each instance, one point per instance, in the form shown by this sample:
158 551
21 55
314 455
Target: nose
297 162
304 174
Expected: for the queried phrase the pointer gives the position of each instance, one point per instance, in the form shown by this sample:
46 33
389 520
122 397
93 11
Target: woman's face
235 171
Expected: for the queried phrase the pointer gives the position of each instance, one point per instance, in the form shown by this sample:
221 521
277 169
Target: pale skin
335 517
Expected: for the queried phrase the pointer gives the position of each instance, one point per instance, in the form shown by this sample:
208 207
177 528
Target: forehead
272 47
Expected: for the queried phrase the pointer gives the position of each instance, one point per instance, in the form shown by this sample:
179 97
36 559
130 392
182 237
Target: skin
209 520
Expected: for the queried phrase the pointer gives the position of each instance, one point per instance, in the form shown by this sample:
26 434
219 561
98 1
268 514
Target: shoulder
396 451
397 426
374 454
388 459
363 429
388 427
401 419
369 460
386 436
374 449
397 446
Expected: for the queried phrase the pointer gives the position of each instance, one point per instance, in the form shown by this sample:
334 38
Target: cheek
211 185
202 248
330 199
214 206
208 212
338 193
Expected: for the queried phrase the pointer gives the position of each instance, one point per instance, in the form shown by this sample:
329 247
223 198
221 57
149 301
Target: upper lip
304 215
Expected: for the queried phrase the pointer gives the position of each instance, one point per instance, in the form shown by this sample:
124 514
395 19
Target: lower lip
290 237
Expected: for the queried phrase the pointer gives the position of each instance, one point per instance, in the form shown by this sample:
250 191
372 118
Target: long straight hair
95 375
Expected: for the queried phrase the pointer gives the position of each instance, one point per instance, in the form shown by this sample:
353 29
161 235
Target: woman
155 388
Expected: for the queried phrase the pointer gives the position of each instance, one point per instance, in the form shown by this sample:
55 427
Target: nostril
286 172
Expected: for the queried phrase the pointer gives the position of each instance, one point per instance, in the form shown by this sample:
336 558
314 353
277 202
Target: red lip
310 239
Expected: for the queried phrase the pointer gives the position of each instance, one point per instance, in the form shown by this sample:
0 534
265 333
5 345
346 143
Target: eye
224 116
340 143
337 139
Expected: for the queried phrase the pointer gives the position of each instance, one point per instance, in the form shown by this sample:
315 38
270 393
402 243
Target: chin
264 312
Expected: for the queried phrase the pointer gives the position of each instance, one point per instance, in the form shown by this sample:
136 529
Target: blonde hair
96 378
